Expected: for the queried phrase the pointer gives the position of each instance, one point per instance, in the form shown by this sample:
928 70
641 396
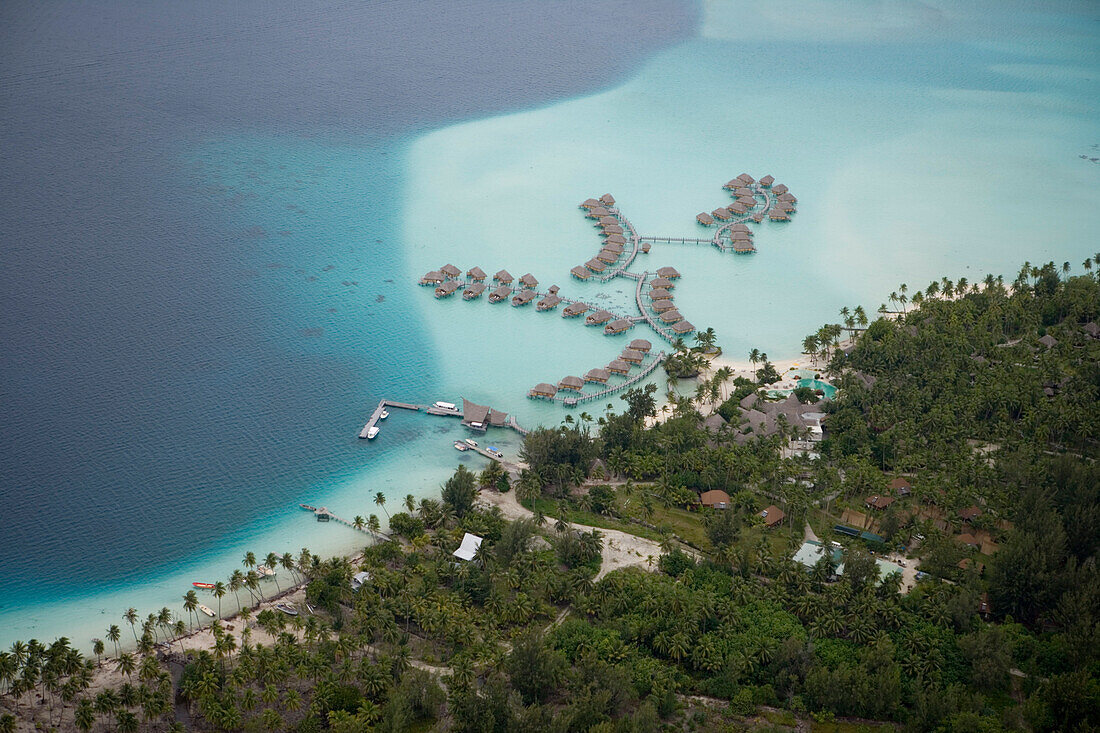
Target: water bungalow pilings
571 401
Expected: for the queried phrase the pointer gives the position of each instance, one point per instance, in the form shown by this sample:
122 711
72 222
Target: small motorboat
308 508
459 445
384 414
470 442
286 608
372 433
204 586
206 610
494 451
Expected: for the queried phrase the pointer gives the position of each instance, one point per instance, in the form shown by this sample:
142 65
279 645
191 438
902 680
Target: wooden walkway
633 253
660 328
322 511
571 401
430 410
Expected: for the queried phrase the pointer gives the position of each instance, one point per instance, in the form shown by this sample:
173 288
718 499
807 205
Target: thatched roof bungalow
473 290
785 205
589 203
500 294
529 281
669 272
632 356
746 179
580 273
738 208
550 302
475 416
450 270
432 278
758 217
446 289
659 294
612 229
574 383
780 189
607 200
503 277
595 265
641 345
749 201
740 227
742 246
740 235
734 183
476 274
618 367
607 255
787 197
721 213
778 214
574 309
662 305
705 219
619 325
616 239
523 297
662 282
743 191
600 376
606 220
767 181
672 316
544 390
597 212
682 327
599 317
646 246
613 247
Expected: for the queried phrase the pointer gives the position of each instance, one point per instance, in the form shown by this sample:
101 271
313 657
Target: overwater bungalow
742 246
580 273
665 304
661 282
619 367
660 294
448 288
616 248
450 270
432 278
615 239
778 214
743 191
574 383
780 189
746 236
758 217
640 345
608 255
646 246
734 183
612 229
682 328
553 289
473 290
705 219
740 227
632 356
767 181
619 325
523 297
607 200
597 211
746 178
480 417
671 316
787 197
595 265
738 208
606 220
529 281
503 277
669 272
722 213
543 390
747 201
476 274
589 203
599 317
574 309
550 302
785 205
599 376
500 294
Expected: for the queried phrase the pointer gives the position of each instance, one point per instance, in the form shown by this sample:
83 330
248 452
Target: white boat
459 445
287 609
494 451
310 608
206 610
449 406
470 442
372 433
383 415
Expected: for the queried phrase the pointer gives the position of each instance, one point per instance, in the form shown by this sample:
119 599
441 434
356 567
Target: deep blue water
193 290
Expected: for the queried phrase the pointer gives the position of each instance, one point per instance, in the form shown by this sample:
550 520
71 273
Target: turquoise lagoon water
921 141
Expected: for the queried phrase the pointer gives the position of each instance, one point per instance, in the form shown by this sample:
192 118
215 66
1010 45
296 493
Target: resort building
480 417
773 516
661 282
705 219
739 208
632 356
574 383
589 203
741 246
612 229
595 265
715 499
900 486
598 318
580 273
447 288
607 199
767 181
529 281
607 256
746 179
747 201
778 214
682 328
432 278
618 366
879 503
662 305
646 246
780 189
641 345
722 213
606 220
523 297
660 294
743 192
600 376
550 302
615 239
503 277
669 272
597 212
574 309
619 325
672 316
500 294
450 270
543 390
473 290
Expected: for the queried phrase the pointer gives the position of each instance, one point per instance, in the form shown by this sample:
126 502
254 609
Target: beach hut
503 277
476 274
573 383
608 256
671 316
669 272
600 376
618 367
632 356
607 220
544 390
722 213
778 214
659 294
523 297
780 189
450 270
743 246
595 265
767 181
446 289
580 273
732 184
705 219
743 191
613 247
473 290
641 345
746 179
597 212
646 247
589 203
432 278
597 318
740 227
574 309
749 201
550 302
619 325
661 282
665 304
607 200
612 229
500 294
529 281
683 327
738 208
615 239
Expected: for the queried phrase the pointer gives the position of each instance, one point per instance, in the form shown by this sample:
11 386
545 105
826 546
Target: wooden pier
634 238
324 512
377 414
571 401
660 328
428 409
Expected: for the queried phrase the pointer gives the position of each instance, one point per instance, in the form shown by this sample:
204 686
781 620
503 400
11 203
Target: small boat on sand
459 445
204 586
308 508
287 609
311 609
206 610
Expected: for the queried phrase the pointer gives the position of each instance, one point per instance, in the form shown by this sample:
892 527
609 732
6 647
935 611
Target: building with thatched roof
476 274
705 219
1048 341
740 235
787 206
778 214
543 390
580 273
619 367
767 181
659 294
523 297
599 376
746 179
574 309
450 270
788 196
671 316
670 272
743 246
738 208
740 227
607 255
715 499
550 302
773 516
529 281
682 327
553 289
607 199
574 383
758 217
780 189
597 212
617 326
662 283
641 345
615 239
743 191
595 265
632 356
612 229
722 213
447 288
598 318
432 278
747 201
500 294
503 277
662 305
475 416
733 183
473 290
615 247
646 247
879 502
589 203
606 220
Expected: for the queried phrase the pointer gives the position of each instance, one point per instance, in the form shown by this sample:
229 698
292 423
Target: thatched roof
618 367
472 413
595 265
746 200
600 316
500 293
597 375
503 276
497 418
597 212
742 245
767 181
715 498
616 239
613 247
435 276
632 355
574 309
605 220
739 227
450 270
612 229
722 213
746 178
529 281
553 289
474 290
787 197
705 219
671 316
662 305
662 282
447 288
573 383
740 235
734 183
669 272
780 189
785 205
778 215
607 255
659 294
608 199
641 345
544 390
589 203
476 273
550 301
523 297
758 217
738 208
682 327
580 272
617 326
743 191
646 247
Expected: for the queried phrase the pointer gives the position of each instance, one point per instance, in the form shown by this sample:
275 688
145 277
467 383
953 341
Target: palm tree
249 560
113 635
358 523
410 503
131 618
236 582
380 500
84 716
126 664
97 649
190 604
374 524
287 561
219 591
272 562
754 357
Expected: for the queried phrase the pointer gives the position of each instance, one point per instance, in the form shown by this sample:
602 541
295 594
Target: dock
377 414
427 409
571 401
324 515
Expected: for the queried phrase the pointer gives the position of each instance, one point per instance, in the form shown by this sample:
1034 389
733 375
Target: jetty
572 401
493 418
325 515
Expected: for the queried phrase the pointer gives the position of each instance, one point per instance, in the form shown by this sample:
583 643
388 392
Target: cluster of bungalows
784 204
603 212
660 300
633 355
480 417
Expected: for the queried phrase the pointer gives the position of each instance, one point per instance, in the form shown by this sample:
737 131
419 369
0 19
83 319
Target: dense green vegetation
994 432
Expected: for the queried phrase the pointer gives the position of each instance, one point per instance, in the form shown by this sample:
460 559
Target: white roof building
468 548
359 579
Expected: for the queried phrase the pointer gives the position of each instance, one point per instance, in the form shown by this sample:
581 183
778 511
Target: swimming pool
816 384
